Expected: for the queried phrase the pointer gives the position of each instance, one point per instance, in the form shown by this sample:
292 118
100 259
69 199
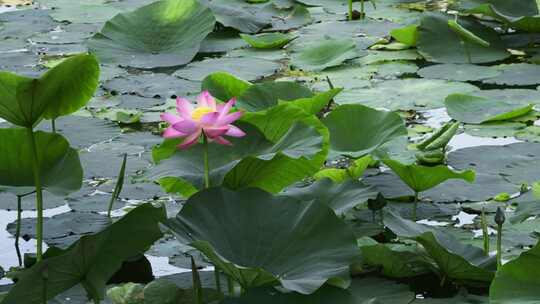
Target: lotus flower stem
217 278
230 286
197 286
499 220
206 166
485 232
350 10
18 229
119 185
53 125
39 194
362 10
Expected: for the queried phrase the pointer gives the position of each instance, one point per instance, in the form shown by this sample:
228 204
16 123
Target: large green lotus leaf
458 72
495 129
264 95
519 164
324 54
62 90
438 43
224 86
92 260
522 15
422 178
375 128
530 134
83 11
162 34
60 168
246 68
341 197
455 260
251 161
151 85
517 281
287 19
254 237
477 110
517 74
522 96
397 260
405 94
222 41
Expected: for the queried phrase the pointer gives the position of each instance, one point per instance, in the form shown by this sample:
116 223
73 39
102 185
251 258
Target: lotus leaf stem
39 194
206 167
350 10
499 245
415 206
485 232
230 286
53 125
217 278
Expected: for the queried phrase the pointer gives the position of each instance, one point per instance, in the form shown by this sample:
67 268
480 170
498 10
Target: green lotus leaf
438 43
165 33
407 35
267 40
517 281
254 238
91 261
522 17
324 54
477 110
264 95
422 178
62 90
224 86
60 168
377 128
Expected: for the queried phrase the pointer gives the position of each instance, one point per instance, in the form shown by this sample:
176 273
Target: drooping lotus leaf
477 110
357 130
252 160
324 54
165 33
254 238
267 40
407 35
405 94
396 260
422 178
264 95
438 43
455 260
517 281
61 91
90 261
224 86
458 72
341 197
60 168
240 15
522 15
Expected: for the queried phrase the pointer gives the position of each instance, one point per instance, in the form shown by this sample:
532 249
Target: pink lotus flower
207 119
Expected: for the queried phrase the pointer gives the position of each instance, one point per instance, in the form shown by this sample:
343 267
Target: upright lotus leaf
437 42
422 178
341 197
271 159
60 168
264 95
477 110
407 35
60 91
455 260
324 54
254 237
92 260
267 40
165 33
517 281
224 86
357 130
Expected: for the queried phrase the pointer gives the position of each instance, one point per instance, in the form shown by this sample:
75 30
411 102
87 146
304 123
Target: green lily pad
438 43
405 94
383 126
264 95
60 168
517 281
477 110
242 67
248 219
267 40
517 74
495 129
77 12
165 33
531 134
240 15
324 54
396 261
93 268
287 19
151 85
341 197
458 72
224 86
